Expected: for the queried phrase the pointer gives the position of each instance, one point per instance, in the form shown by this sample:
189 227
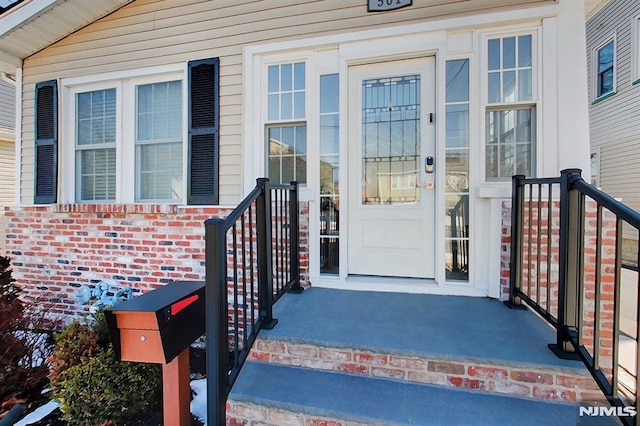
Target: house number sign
385 5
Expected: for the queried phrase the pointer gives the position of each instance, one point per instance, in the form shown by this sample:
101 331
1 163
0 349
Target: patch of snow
39 413
41 349
199 401
200 343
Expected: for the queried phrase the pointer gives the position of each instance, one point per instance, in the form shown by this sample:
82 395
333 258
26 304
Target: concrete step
270 394
524 380
463 342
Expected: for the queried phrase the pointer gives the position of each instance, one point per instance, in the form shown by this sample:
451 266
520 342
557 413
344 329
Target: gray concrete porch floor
431 325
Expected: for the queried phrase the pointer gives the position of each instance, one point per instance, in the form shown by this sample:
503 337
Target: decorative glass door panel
391 140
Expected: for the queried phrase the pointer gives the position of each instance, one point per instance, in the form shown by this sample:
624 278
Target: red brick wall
57 248
536 232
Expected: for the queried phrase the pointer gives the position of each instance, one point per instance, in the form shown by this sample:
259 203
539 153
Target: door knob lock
428 164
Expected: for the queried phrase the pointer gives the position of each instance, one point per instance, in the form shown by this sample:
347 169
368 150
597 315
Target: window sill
116 208
495 191
603 97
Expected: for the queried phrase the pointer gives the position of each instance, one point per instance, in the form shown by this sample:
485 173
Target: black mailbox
157 326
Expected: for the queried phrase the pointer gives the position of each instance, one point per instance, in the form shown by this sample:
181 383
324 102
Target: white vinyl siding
7 106
7 173
150 33
7 182
614 124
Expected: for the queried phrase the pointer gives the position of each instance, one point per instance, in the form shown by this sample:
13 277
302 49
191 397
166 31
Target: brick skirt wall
55 249
540 268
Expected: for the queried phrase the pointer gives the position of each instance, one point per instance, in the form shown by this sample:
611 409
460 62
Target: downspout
16 81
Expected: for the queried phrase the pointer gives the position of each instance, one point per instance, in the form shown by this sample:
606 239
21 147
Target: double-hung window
159 142
152 137
286 126
152 134
511 108
96 145
605 69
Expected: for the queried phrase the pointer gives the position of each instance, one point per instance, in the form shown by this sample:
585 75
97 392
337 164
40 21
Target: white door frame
335 54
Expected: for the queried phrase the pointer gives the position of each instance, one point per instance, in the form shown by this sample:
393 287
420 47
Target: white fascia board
15 17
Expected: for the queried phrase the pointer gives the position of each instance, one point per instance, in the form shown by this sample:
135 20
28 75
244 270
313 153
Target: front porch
358 357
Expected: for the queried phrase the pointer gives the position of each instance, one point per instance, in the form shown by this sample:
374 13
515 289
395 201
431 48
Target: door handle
426 185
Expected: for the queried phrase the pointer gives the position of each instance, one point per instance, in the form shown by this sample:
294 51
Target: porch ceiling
33 25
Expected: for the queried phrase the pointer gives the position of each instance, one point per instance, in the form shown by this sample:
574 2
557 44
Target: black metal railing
252 258
567 265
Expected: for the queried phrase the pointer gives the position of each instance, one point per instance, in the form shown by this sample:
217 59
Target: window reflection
457 158
329 175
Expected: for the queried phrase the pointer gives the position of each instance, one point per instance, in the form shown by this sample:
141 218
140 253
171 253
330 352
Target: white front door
391 229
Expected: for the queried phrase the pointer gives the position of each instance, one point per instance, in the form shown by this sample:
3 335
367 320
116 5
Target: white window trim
261 74
635 43
597 153
125 84
594 61
486 185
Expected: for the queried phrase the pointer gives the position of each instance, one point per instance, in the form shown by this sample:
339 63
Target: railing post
216 320
294 233
265 259
569 264
515 262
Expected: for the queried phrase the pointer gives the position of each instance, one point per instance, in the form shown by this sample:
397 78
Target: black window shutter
204 139
46 155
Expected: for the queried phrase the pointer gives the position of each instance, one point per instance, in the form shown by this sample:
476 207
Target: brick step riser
521 381
246 414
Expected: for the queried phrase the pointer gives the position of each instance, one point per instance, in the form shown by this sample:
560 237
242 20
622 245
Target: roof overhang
591 7
32 25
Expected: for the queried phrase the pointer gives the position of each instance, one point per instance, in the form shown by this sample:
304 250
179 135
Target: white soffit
32 25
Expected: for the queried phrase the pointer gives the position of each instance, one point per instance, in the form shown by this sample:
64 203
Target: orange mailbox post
158 327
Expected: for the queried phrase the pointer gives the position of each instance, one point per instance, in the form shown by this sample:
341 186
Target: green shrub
75 344
92 386
104 389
